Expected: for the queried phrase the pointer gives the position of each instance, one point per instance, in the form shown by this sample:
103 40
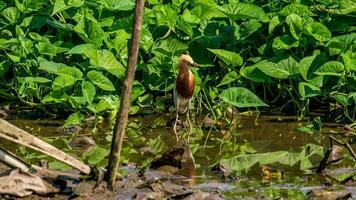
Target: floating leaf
241 97
75 118
245 162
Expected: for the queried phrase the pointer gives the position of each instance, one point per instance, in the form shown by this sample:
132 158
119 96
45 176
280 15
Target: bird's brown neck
183 69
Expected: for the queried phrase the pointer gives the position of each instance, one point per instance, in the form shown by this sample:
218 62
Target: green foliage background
70 55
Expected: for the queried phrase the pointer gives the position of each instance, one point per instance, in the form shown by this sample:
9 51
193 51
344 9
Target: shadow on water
148 137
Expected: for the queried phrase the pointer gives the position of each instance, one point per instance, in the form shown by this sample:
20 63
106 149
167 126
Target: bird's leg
189 124
175 126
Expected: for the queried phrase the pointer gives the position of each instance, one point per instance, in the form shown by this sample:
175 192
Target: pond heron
184 89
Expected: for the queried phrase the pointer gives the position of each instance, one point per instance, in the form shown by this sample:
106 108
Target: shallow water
265 134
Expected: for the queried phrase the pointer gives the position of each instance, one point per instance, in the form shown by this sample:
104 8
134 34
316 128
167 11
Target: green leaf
118 5
30 79
229 58
157 145
70 71
297 8
273 24
308 65
61 5
228 78
96 155
254 74
342 99
100 80
106 60
319 31
331 68
12 14
4 67
294 22
46 48
164 15
249 28
346 6
62 82
172 46
311 127
88 28
58 165
100 59
50 67
272 70
75 118
89 50
241 97
88 90
241 10
245 162
137 90
284 42
307 90
290 65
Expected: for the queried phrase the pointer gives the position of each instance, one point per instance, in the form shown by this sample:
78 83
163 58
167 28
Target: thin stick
175 126
190 128
121 120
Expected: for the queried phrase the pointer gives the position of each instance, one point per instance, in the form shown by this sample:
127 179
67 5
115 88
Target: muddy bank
149 137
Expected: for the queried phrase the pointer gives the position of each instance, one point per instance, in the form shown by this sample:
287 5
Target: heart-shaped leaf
241 97
100 80
88 90
230 58
331 68
319 31
228 78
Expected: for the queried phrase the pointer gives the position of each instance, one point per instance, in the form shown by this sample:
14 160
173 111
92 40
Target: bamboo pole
121 120
19 136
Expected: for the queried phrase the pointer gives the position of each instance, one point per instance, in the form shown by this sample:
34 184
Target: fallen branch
12 161
19 136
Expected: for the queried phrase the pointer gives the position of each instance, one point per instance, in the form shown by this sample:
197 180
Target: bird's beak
194 64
